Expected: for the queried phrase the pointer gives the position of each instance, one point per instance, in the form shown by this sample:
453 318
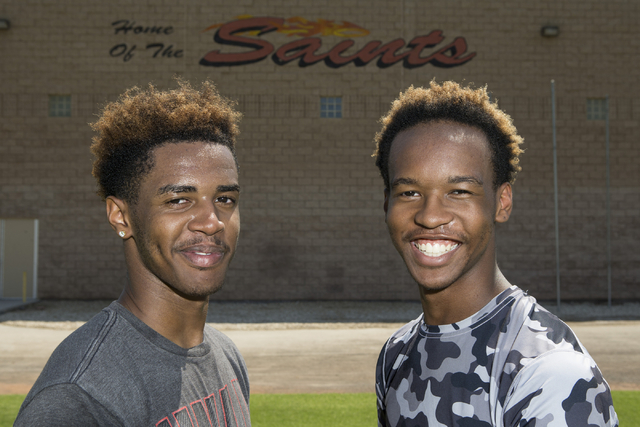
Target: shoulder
554 376
220 341
75 350
64 405
76 354
528 330
395 349
561 385
405 334
402 337
532 331
227 354
222 347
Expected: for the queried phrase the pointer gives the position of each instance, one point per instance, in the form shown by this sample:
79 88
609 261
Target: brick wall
312 219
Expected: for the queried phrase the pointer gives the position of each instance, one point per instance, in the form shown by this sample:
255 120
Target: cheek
395 224
483 227
234 226
390 218
166 230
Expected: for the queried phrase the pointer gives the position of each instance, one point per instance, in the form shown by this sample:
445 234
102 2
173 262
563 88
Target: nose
433 213
205 219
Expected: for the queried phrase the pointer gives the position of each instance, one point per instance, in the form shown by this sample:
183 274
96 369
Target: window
59 105
596 108
331 107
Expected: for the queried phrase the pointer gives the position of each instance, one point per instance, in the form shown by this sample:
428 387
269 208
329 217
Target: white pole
555 188
608 204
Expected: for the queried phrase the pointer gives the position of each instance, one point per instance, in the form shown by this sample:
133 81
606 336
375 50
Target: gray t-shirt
117 371
511 364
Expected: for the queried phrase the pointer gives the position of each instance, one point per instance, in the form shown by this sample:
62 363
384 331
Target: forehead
447 147
184 161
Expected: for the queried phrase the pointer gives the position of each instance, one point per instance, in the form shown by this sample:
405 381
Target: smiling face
185 223
441 206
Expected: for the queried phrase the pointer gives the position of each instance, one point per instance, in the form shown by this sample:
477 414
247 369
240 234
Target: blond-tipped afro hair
140 121
451 102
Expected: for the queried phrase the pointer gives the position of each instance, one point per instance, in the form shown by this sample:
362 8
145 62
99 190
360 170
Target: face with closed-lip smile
185 222
442 206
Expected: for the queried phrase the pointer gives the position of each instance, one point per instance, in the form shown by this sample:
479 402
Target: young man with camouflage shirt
483 353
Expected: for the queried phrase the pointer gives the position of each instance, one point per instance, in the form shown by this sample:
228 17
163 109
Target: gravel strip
70 314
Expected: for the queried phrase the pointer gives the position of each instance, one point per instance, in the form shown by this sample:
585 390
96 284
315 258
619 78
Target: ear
118 216
504 202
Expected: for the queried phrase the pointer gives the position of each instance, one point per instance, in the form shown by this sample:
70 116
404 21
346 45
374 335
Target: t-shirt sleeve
64 405
242 375
381 390
560 388
392 354
234 357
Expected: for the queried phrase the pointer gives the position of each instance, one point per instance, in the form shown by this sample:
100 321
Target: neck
172 315
175 318
461 299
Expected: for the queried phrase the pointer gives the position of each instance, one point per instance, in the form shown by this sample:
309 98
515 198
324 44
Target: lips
435 248
203 256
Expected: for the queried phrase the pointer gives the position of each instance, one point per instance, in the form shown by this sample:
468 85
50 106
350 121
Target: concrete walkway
335 350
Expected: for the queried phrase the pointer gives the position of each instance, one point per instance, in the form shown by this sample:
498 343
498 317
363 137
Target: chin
430 280
431 287
197 293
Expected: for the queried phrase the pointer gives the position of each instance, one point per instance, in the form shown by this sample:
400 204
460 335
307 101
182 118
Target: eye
178 202
226 200
410 193
459 192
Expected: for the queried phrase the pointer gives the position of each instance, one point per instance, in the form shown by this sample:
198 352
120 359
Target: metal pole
24 286
555 188
608 204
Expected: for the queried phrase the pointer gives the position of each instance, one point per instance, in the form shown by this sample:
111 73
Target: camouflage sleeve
560 388
392 353
381 387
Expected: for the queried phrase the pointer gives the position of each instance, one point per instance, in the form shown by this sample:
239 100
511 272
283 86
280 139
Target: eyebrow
452 180
174 188
228 188
403 181
465 179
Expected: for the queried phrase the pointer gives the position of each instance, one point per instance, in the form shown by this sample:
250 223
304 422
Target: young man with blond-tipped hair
483 352
166 167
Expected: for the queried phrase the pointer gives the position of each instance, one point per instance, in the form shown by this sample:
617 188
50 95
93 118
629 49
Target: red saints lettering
222 409
305 50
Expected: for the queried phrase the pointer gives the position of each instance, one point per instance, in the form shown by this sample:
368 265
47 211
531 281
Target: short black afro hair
142 120
451 102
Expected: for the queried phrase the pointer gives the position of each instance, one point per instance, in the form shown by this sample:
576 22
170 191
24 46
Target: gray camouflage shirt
511 364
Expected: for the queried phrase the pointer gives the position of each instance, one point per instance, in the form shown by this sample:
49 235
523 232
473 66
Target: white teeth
436 249
202 253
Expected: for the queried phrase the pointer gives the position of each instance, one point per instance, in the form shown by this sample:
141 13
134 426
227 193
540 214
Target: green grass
311 410
9 405
336 410
627 404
